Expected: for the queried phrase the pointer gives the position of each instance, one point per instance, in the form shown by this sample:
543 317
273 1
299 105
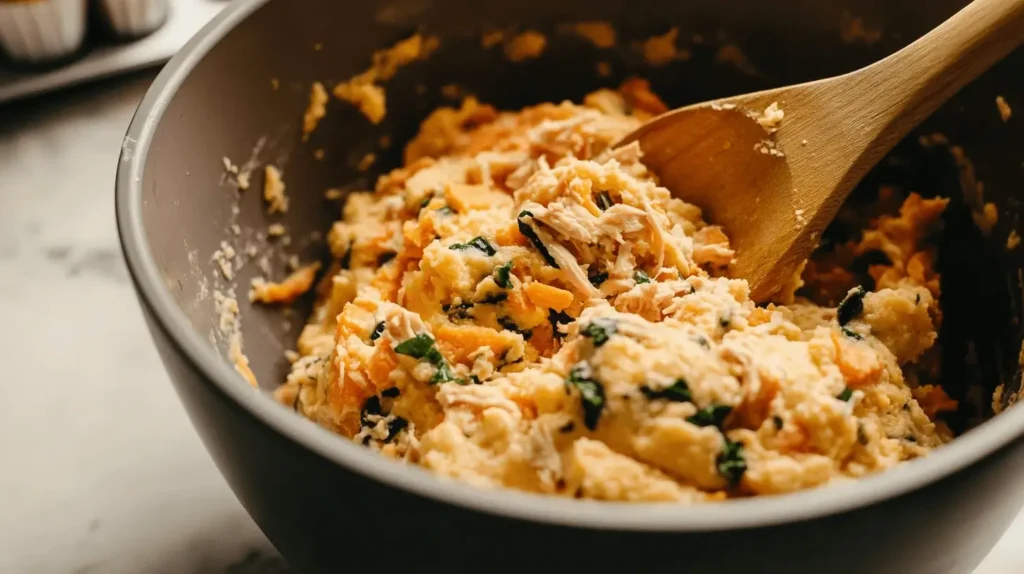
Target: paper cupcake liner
135 17
41 30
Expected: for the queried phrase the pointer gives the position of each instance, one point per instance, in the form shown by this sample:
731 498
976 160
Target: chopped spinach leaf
581 377
851 333
426 201
730 462
851 306
476 380
478 243
377 331
713 415
557 318
417 347
372 408
494 298
725 321
530 234
597 280
503 275
604 201
600 330
444 373
422 347
390 392
445 210
639 276
510 325
846 395
678 392
703 342
385 257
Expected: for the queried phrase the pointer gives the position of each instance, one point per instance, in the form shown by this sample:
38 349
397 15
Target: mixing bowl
238 91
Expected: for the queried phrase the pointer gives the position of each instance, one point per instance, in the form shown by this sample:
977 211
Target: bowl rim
738 513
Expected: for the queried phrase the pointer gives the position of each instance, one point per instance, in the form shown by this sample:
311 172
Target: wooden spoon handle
911 84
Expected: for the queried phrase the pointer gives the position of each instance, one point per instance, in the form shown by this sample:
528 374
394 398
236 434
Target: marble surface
101 471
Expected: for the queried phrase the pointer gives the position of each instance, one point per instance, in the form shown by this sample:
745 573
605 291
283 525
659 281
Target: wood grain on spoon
776 193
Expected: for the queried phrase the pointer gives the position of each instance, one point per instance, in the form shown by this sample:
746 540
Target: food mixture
522 306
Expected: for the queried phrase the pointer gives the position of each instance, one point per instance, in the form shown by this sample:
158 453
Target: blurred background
101 471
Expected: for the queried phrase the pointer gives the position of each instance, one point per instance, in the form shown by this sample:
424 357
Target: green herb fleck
917 299
445 210
851 333
511 325
851 306
422 347
494 298
713 415
604 201
377 331
703 342
530 234
597 280
678 392
372 408
478 243
476 380
725 321
846 395
778 422
390 392
862 437
600 330
503 275
730 462
581 377
639 276
557 318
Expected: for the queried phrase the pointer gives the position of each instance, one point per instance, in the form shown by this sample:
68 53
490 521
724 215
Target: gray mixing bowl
330 505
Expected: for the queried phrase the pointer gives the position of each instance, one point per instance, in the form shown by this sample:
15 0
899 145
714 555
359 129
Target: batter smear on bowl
522 306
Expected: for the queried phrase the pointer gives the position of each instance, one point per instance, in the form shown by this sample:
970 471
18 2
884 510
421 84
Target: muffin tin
49 44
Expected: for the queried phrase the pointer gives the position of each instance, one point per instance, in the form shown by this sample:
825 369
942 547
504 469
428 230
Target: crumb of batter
275 230
1012 240
603 69
223 258
599 33
316 110
525 46
274 190
662 50
318 154
227 310
228 166
771 118
287 291
1004 109
333 194
521 305
275 84
492 39
362 90
452 91
366 162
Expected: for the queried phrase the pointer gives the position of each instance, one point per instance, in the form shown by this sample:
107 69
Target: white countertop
102 472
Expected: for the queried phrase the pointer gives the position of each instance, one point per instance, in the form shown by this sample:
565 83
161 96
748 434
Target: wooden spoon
776 192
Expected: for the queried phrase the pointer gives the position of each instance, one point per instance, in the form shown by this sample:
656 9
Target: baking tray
102 58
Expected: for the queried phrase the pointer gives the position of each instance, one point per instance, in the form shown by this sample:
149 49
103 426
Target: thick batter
522 306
